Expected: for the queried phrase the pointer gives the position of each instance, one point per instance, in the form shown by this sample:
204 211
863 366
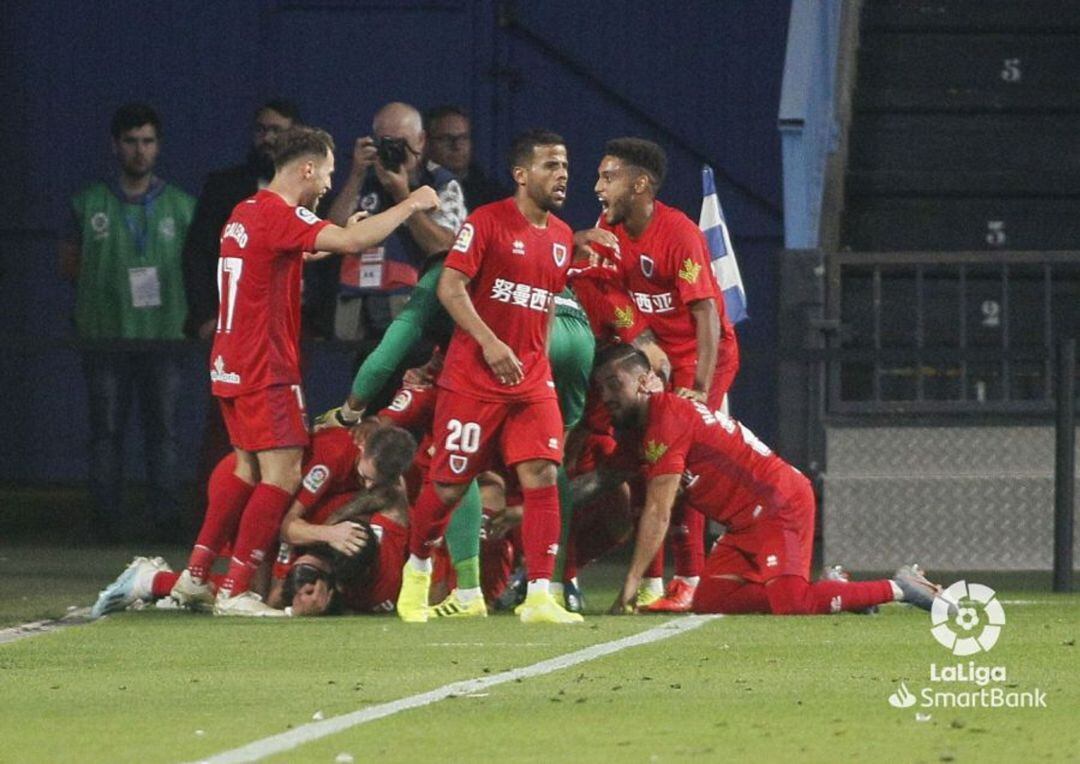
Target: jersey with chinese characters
515 270
727 473
258 331
665 270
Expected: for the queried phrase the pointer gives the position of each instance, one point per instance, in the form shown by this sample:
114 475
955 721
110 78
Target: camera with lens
391 152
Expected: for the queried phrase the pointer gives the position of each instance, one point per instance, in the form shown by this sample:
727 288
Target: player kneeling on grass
762 563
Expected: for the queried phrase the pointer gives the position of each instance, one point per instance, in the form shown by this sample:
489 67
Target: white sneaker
247 604
131 586
192 594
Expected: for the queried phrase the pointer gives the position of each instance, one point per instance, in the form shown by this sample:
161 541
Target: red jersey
727 473
665 270
329 467
516 269
259 271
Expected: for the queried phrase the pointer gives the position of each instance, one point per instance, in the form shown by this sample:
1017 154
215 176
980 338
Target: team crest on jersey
647 266
99 221
654 450
167 228
624 317
558 251
307 215
458 463
464 238
689 271
315 477
401 400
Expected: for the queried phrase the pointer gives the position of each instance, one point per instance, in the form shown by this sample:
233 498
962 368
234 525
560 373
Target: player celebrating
762 563
666 267
498 284
254 365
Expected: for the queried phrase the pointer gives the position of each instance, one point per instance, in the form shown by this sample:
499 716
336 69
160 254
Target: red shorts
471 434
776 546
273 417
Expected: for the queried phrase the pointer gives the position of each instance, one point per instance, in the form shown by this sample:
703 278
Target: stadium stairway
964 135
964 127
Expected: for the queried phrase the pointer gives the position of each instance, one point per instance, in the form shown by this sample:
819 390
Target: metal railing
956 332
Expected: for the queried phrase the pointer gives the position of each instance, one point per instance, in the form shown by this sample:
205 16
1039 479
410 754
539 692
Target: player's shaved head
623 357
398 120
645 156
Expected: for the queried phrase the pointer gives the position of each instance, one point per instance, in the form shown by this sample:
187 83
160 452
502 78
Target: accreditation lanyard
138 225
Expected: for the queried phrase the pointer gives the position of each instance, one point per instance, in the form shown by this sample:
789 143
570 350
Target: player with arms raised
254 363
498 284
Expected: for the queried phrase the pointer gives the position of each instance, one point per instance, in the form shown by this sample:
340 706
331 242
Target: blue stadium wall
701 77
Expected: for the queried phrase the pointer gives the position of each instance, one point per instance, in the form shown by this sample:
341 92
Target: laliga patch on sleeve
315 477
307 215
401 400
464 238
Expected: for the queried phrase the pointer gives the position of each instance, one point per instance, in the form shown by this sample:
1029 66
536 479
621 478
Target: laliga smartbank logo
975 606
967 619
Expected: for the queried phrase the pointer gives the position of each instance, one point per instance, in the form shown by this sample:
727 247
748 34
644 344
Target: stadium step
890 223
971 15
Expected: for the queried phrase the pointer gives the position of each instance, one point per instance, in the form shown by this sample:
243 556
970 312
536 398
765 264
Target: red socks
227 495
165 580
789 595
427 521
259 526
688 541
540 528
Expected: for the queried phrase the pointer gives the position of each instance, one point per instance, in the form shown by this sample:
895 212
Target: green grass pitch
156 686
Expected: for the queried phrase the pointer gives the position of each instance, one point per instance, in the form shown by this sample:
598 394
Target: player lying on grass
319 579
333 464
762 563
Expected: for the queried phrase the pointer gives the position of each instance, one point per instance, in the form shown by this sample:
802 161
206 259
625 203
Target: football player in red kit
665 264
498 284
762 563
254 366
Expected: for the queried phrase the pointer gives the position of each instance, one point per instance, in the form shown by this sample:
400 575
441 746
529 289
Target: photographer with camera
376 284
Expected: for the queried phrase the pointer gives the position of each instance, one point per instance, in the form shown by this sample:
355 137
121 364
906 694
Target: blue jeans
114 381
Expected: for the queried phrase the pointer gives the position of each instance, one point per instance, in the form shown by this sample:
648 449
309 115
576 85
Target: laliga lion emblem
976 605
647 264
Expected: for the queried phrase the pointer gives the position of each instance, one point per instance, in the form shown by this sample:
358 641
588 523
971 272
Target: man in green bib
123 253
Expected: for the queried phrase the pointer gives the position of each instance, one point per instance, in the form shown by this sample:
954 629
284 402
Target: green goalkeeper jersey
131 283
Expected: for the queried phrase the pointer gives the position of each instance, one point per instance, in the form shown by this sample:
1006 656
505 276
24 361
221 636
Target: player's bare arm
660 496
454 296
361 232
346 537
707 325
431 237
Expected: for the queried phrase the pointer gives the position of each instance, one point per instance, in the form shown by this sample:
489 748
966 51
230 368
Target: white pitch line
37 628
312 731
